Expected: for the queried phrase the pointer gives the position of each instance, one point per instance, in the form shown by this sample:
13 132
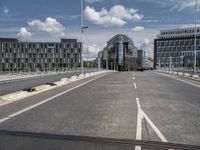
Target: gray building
176 47
16 55
141 54
119 54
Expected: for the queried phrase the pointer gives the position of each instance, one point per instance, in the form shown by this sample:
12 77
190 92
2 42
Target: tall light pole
195 40
82 30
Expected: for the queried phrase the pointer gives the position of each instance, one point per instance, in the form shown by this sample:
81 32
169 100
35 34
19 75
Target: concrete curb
6 99
181 74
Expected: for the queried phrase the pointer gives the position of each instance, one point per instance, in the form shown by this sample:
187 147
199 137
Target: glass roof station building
176 46
119 54
16 55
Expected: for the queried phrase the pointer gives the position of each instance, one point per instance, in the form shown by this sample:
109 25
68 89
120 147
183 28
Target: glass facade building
119 54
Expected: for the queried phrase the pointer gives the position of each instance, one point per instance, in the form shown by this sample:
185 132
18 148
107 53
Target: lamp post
82 48
82 31
195 40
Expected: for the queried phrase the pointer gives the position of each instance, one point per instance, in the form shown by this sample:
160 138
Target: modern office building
119 54
176 47
16 55
141 54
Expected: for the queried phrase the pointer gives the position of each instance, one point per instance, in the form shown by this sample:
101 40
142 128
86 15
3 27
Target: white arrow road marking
140 116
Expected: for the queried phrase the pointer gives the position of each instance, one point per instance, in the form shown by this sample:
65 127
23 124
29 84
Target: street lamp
195 40
82 30
82 48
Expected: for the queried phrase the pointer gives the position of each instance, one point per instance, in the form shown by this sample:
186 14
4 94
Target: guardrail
181 74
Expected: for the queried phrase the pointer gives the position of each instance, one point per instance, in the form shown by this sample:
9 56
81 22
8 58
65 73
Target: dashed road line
135 85
46 100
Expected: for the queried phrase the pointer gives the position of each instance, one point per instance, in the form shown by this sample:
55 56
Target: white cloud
50 25
182 4
47 29
92 1
5 10
146 45
91 51
137 28
118 15
24 34
178 5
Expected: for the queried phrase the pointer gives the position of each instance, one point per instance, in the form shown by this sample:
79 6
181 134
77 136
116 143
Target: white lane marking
133 78
46 100
153 126
142 115
135 85
139 121
179 79
139 124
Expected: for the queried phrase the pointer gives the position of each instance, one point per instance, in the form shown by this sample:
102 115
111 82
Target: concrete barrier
195 76
13 96
23 94
81 76
87 74
59 83
95 73
180 73
186 75
42 87
91 73
64 79
73 78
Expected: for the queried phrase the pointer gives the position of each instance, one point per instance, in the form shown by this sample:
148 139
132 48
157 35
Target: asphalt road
108 106
16 85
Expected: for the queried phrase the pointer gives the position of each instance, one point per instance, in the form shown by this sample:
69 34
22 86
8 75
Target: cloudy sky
49 20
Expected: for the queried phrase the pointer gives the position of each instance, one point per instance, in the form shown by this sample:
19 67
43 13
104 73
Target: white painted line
46 100
138 103
139 121
139 124
140 116
179 79
160 135
133 78
135 85
138 148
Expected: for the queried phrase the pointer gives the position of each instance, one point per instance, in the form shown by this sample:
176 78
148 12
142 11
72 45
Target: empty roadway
106 107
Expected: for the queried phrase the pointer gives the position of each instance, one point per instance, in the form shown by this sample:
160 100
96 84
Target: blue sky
49 20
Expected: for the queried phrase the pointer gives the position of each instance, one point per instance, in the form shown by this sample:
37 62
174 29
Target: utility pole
82 71
195 40
82 40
